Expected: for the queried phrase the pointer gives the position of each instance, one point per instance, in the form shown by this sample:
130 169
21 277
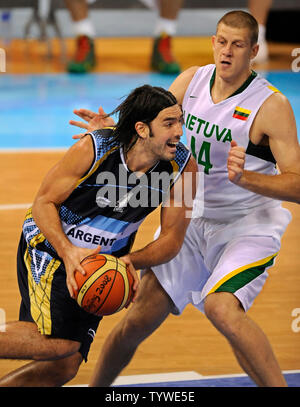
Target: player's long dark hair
142 104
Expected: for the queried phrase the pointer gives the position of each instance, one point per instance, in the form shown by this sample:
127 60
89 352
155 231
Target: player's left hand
235 162
93 121
133 272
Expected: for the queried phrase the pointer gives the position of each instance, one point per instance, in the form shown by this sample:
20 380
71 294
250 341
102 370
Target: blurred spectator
85 58
162 59
260 10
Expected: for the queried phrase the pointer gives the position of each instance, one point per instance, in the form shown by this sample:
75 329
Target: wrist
63 248
243 180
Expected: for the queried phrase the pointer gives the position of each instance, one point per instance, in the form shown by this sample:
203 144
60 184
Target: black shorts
46 299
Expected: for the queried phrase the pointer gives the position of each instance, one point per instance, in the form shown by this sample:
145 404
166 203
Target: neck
225 87
138 160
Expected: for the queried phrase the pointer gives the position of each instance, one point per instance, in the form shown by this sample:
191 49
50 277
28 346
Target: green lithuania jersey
210 127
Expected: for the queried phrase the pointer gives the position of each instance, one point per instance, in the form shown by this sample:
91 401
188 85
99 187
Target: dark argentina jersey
110 202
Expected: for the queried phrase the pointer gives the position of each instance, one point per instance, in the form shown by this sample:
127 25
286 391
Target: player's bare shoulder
180 84
79 157
190 72
275 103
276 113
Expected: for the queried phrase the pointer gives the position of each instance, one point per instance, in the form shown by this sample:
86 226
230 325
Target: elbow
36 205
40 205
178 247
295 198
174 250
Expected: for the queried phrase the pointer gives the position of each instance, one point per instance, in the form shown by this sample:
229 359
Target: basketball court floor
37 101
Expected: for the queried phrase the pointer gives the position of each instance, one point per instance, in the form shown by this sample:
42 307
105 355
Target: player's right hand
93 121
72 259
235 162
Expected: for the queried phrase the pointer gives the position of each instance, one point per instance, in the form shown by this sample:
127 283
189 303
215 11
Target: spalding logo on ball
106 287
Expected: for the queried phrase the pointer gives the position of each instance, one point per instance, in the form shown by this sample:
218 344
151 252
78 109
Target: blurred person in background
162 59
260 11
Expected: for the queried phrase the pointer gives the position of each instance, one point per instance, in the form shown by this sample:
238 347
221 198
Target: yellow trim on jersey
175 167
98 163
175 172
274 89
39 238
239 270
40 293
28 213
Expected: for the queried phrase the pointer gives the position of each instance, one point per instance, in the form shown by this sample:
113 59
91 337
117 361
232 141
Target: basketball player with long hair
71 217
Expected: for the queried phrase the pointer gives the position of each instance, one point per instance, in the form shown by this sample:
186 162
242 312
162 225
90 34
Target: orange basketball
107 286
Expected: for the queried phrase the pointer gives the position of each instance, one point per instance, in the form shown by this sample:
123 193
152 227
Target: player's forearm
157 252
284 187
47 219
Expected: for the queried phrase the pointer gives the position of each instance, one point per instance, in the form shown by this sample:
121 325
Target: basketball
106 288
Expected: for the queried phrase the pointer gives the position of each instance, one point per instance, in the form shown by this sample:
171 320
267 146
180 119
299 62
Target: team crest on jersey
241 113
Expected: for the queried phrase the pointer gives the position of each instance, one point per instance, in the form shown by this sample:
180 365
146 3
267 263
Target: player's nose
178 130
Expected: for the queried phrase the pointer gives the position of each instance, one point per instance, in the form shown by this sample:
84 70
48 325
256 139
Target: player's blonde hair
241 19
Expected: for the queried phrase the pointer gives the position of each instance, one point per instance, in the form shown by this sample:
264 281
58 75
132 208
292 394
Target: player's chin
168 157
170 154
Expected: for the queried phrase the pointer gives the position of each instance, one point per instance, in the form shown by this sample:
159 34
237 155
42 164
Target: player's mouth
225 63
172 145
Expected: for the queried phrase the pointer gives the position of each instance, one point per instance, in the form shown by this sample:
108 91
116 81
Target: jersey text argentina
110 201
210 127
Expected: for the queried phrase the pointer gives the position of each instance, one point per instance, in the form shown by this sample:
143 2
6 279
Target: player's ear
142 129
213 40
254 51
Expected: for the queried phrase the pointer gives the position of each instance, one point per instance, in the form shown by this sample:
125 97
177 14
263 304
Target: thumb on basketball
96 250
88 252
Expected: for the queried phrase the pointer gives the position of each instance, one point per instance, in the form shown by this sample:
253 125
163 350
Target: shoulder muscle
181 83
